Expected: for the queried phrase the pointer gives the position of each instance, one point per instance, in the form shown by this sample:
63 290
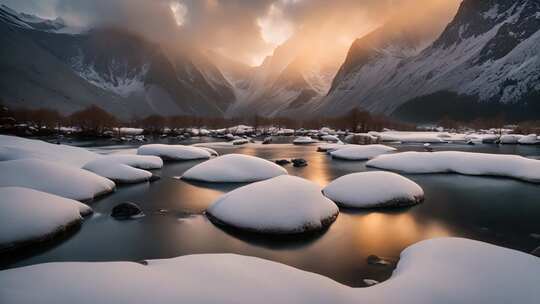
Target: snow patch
30 215
234 168
54 178
174 152
357 152
444 270
374 189
467 163
281 205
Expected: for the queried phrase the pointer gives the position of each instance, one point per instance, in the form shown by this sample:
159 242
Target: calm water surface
496 210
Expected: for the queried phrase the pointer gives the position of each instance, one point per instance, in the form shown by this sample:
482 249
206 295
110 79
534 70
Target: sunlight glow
179 11
275 29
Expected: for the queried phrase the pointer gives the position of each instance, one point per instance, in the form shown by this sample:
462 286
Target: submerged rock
282 162
536 252
299 162
154 178
126 211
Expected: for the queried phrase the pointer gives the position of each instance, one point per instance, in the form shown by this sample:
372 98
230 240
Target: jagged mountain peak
487 53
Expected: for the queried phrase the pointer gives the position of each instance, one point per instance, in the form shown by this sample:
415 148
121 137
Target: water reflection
501 211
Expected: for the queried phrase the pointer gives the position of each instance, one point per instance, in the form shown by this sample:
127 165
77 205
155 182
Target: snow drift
54 178
28 215
373 189
358 152
445 270
467 163
281 205
234 168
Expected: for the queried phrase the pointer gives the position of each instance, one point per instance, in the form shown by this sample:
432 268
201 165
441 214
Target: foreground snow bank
281 205
125 168
13 148
512 166
445 270
374 189
174 152
28 215
55 178
358 152
234 168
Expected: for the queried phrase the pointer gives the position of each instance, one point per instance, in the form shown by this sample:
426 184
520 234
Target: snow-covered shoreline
467 163
443 270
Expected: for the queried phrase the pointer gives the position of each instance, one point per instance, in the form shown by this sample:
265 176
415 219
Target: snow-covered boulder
511 166
409 137
531 139
174 152
330 138
304 140
281 205
331 147
358 152
28 215
210 150
373 189
240 141
119 169
444 270
55 178
234 168
510 139
13 148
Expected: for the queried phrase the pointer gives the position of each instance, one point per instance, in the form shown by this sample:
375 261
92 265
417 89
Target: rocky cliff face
119 71
487 55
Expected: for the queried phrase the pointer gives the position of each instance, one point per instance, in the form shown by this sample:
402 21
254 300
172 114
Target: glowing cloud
179 11
275 29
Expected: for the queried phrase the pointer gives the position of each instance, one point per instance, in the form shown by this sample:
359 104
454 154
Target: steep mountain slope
285 82
116 70
486 58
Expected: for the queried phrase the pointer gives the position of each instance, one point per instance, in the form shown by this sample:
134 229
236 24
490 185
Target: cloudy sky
245 30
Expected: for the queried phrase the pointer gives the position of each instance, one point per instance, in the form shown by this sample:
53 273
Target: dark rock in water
536 252
282 162
125 211
267 140
142 262
470 142
299 162
375 260
154 178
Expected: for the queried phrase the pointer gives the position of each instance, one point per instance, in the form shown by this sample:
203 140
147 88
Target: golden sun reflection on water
379 232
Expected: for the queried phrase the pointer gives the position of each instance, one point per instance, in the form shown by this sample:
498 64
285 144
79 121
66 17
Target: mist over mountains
483 63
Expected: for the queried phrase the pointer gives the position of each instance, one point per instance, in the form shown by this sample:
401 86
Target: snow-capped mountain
32 22
119 71
485 61
284 83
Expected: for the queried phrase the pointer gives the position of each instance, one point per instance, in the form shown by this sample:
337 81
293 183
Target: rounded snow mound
54 178
28 215
234 168
374 189
125 168
467 163
304 140
281 205
174 152
357 152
